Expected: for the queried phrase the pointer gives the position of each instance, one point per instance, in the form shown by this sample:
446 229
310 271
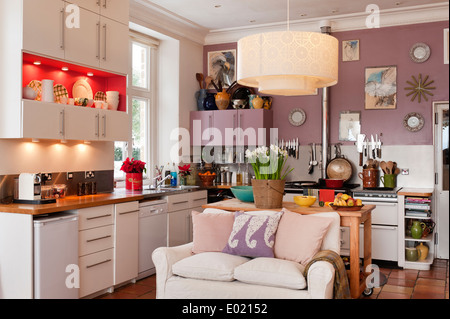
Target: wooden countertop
416 192
73 202
237 205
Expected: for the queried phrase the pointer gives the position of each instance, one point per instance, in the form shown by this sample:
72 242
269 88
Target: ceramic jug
258 103
423 251
417 229
411 254
222 100
200 96
210 102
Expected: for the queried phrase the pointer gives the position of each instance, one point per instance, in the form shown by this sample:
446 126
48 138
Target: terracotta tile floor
401 284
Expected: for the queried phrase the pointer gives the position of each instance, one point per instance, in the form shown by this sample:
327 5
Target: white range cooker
384 223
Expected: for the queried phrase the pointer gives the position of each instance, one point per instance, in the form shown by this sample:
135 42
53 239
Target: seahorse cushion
253 235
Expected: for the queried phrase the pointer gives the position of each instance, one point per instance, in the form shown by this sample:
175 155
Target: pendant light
288 62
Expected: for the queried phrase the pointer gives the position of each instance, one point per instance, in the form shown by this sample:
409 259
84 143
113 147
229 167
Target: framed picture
349 126
222 67
381 88
350 50
446 49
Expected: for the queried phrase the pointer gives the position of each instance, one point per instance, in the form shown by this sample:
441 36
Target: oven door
385 213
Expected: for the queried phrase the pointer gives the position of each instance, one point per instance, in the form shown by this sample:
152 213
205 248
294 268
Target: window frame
150 95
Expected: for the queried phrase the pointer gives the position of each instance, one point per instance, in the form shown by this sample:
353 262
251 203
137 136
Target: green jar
417 229
411 254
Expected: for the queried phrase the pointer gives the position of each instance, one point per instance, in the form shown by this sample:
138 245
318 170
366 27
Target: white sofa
276 284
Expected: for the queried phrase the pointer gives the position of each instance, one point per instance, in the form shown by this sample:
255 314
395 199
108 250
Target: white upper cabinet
44 27
117 10
113 52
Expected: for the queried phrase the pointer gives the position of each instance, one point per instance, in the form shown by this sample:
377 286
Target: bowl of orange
207 178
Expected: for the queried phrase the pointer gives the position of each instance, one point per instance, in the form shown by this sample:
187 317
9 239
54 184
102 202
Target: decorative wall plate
297 117
420 88
420 52
413 122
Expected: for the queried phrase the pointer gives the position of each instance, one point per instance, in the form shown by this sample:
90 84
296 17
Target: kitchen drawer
384 213
178 202
198 199
96 272
94 240
384 242
96 217
127 207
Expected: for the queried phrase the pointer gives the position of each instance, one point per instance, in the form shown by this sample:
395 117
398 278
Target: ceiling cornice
340 23
164 21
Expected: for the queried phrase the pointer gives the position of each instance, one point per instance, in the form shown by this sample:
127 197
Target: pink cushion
299 237
211 231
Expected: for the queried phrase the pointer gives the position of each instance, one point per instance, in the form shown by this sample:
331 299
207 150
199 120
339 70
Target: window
141 97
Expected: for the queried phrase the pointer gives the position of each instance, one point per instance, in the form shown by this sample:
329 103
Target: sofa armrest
321 280
164 258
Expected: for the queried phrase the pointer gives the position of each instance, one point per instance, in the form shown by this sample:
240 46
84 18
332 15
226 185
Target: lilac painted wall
379 47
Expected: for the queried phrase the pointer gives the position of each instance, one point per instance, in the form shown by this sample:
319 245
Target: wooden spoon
199 77
208 81
383 166
397 171
390 166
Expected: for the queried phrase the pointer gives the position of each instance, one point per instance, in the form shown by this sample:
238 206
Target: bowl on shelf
239 104
243 193
305 201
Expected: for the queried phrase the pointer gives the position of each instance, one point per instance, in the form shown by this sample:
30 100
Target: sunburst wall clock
420 88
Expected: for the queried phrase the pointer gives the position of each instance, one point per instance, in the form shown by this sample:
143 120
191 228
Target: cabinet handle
210 128
104 125
98 264
97 217
62 30
104 4
62 128
105 43
197 199
98 3
98 41
97 239
183 202
97 125
126 213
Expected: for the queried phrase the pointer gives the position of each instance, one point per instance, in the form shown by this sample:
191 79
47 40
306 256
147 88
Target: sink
173 188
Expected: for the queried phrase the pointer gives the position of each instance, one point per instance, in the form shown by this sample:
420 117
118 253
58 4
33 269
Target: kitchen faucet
158 184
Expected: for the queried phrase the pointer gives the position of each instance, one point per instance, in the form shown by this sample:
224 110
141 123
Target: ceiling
229 14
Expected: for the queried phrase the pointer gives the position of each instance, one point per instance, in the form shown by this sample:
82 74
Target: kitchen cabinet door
114 126
201 121
225 123
180 228
43 27
118 10
42 120
114 54
91 5
81 124
255 125
126 242
83 44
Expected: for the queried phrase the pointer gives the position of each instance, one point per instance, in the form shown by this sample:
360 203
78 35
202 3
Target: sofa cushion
253 235
272 272
209 266
299 237
211 230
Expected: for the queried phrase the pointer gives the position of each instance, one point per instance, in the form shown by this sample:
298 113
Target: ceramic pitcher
417 229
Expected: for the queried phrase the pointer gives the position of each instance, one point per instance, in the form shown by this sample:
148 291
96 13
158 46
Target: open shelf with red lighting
39 68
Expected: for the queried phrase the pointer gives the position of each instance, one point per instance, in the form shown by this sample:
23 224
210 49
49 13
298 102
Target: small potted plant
270 175
134 170
184 172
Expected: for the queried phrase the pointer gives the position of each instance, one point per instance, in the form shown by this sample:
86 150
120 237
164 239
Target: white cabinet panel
126 242
118 10
96 272
42 120
83 44
81 124
114 126
91 5
43 23
114 54
179 227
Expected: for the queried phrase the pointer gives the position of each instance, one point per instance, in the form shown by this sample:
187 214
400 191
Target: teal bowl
243 193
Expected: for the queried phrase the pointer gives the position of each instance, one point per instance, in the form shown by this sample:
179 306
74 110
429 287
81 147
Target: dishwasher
56 256
152 233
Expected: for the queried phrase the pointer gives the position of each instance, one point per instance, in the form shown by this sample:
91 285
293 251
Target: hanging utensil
372 143
360 146
297 155
378 141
